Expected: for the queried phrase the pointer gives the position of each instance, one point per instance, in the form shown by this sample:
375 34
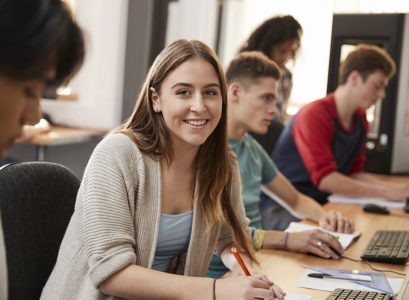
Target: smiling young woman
160 194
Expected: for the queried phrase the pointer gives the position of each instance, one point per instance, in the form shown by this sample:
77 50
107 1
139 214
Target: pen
240 260
323 276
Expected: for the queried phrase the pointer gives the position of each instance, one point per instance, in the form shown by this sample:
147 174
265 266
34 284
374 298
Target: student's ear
354 77
234 91
155 100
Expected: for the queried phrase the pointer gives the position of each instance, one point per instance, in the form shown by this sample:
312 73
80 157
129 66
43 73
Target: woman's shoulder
118 146
233 161
232 156
118 141
118 153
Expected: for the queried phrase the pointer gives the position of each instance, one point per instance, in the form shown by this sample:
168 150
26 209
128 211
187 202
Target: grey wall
146 35
74 156
137 51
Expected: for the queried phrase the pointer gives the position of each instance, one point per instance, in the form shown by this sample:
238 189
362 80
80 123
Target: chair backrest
37 200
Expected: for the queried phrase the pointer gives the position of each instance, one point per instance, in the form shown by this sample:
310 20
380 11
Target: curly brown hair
274 31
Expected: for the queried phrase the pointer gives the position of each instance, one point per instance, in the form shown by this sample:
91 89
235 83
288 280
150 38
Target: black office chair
37 200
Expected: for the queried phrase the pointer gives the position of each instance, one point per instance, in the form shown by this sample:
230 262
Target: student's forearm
358 186
366 177
309 208
303 205
136 282
274 239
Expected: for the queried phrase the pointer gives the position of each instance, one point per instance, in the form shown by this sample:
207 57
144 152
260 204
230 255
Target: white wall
311 67
192 20
99 83
310 70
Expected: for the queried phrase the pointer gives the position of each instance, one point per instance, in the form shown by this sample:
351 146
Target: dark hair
248 67
272 32
366 59
149 132
36 35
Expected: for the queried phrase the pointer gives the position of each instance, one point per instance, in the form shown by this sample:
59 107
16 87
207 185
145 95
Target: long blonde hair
149 132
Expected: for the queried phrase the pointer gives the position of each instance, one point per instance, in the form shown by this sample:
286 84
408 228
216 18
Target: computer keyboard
347 294
388 246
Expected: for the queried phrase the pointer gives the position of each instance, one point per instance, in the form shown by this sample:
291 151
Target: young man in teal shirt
252 89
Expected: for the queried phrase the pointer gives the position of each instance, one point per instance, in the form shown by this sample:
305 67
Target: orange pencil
240 260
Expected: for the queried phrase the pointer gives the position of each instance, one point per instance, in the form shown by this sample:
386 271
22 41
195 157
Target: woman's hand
316 242
247 287
335 221
278 292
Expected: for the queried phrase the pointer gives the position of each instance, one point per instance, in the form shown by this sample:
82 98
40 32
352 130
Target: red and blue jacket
315 143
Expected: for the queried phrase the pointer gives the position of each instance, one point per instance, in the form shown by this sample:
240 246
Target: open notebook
344 238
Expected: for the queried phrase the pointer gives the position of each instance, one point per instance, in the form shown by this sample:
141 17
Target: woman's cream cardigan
116 222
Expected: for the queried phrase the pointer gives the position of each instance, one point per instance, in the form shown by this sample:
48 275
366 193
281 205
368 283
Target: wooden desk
59 135
284 268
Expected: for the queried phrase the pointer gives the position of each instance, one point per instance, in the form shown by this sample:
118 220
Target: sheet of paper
378 280
344 238
290 296
331 284
379 201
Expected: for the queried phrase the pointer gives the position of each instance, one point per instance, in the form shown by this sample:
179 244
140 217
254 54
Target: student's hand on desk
335 221
314 241
398 192
247 287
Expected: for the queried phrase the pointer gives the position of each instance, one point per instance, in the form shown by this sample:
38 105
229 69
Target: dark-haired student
160 194
322 150
279 38
252 89
40 45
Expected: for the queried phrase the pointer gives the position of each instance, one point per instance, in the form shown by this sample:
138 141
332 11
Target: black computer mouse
336 252
376 209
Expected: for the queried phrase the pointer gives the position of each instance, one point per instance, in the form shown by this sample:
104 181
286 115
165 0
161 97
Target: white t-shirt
3 265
